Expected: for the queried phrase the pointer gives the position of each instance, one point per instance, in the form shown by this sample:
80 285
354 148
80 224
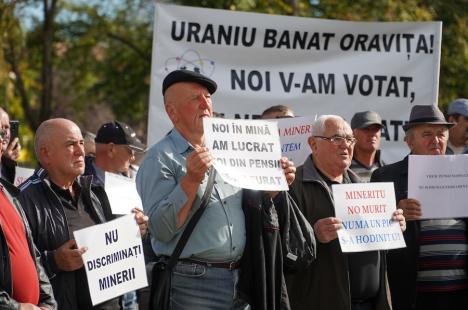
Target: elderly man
10 149
23 282
335 281
116 144
431 272
57 201
366 128
115 147
458 135
172 179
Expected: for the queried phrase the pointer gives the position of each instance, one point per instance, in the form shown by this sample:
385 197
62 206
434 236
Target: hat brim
414 124
368 124
137 147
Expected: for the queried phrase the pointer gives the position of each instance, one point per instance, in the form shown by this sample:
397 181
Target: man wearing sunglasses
335 281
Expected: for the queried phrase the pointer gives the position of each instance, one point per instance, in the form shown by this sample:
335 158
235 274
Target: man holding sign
171 181
336 280
431 272
58 200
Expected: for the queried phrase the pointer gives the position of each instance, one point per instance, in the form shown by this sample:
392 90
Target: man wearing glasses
335 280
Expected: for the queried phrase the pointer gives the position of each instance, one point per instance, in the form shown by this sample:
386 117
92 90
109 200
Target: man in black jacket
431 272
57 201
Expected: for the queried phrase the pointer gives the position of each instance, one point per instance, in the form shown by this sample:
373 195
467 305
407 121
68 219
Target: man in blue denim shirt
171 180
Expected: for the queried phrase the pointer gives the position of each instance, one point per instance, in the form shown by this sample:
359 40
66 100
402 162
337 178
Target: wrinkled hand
411 209
13 150
326 229
141 219
399 217
198 162
68 257
289 169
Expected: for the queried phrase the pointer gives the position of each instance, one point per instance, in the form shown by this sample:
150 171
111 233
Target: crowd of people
234 257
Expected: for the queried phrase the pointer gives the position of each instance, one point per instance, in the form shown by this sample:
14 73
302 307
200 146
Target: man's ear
171 112
44 155
110 150
312 143
452 119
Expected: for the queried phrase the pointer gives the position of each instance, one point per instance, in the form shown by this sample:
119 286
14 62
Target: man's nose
204 102
79 150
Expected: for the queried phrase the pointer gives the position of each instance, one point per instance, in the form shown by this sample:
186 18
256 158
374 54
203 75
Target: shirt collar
182 146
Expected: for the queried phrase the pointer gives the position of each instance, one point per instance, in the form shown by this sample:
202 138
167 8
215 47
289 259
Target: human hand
25 306
198 163
399 217
141 219
326 229
68 256
411 209
289 169
13 149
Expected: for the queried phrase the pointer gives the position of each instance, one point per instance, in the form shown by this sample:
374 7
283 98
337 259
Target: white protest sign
314 66
247 153
114 261
122 193
22 174
440 183
294 133
366 211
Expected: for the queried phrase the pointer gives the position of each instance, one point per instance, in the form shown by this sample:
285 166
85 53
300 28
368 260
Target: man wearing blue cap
171 181
458 138
431 272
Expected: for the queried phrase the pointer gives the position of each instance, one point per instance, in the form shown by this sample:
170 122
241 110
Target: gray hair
319 124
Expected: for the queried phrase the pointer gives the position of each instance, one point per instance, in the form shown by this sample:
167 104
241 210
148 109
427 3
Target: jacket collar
310 173
11 189
83 181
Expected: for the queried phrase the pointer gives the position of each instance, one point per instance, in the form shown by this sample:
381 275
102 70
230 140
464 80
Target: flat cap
365 119
183 75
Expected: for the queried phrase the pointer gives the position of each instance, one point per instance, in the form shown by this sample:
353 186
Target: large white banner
314 66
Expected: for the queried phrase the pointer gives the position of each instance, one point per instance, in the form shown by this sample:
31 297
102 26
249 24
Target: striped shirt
364 172
442 256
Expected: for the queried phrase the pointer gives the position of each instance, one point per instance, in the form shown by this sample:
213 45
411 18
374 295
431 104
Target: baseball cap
183 75
365 119
119 133
458 106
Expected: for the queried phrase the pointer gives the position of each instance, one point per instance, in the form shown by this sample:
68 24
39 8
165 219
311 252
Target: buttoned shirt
219 234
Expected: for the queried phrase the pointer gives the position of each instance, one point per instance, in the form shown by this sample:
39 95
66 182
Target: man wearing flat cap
367 129
458 114
171 180
431 272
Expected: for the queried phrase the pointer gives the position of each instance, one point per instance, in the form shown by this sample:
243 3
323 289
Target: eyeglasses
338 140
